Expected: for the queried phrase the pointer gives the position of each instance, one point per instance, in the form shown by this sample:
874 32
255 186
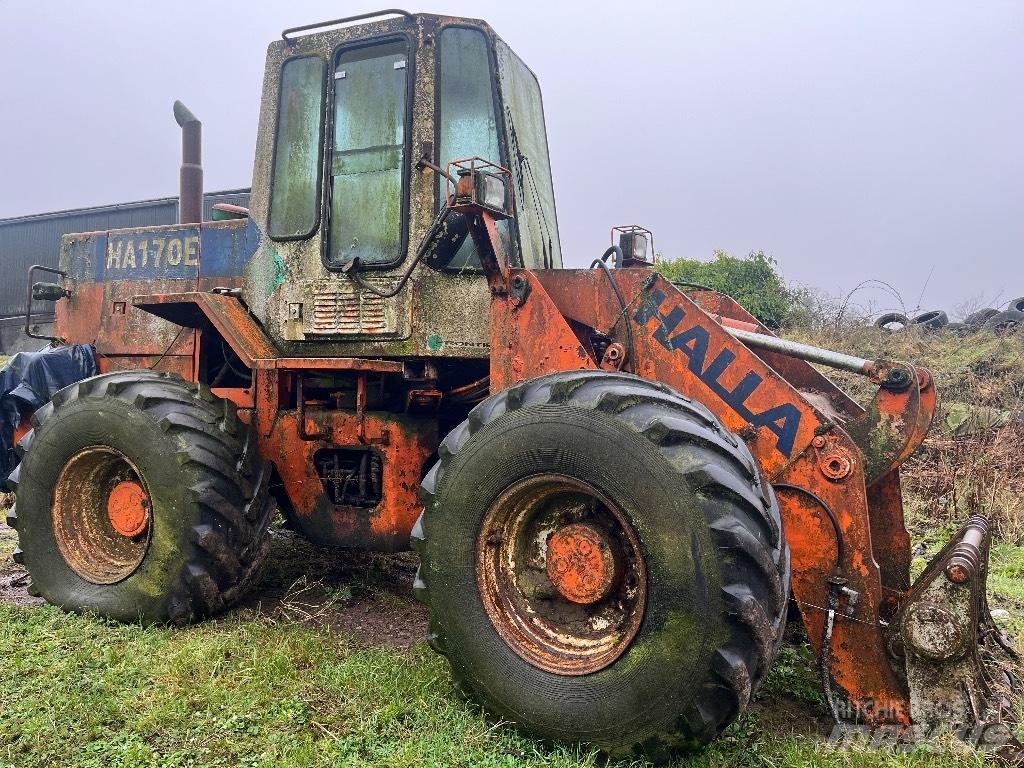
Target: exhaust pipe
190 197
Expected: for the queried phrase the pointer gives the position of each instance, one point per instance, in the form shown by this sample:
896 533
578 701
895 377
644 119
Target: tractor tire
1017 304
652 645
884 321
977 319
1005 321
141 497
931 321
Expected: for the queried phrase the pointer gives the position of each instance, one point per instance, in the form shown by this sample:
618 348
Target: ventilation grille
340 309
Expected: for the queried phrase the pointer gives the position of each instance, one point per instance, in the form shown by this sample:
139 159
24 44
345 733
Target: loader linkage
956 657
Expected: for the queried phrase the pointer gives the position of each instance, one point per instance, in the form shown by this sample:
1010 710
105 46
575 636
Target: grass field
286 682
325 666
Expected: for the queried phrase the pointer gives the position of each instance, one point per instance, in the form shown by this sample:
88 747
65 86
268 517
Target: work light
481 184
633 245
633 240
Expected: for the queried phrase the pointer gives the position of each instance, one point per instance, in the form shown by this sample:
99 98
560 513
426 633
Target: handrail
358 17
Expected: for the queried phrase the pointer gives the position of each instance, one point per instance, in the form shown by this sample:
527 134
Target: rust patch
94 482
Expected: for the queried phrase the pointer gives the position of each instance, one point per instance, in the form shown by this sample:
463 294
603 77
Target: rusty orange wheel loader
616 484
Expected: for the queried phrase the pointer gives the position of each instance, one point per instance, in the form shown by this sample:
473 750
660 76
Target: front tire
609 474
141 497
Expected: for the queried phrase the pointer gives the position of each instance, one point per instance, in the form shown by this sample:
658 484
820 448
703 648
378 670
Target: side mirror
474 186
42 292
49 292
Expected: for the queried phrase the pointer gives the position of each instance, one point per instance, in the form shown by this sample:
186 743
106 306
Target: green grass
250 690
1006 585
255 690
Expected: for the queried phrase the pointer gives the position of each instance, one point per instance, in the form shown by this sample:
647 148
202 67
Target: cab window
528 149
295 180
368 155
467 124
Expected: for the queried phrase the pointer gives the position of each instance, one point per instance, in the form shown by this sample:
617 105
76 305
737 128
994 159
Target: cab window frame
329 148
318 187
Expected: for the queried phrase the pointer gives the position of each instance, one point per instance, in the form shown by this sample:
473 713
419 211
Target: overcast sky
851 141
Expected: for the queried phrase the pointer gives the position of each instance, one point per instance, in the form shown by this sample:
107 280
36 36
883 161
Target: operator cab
353 118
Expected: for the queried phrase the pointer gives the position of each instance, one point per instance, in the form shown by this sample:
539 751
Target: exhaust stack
190 199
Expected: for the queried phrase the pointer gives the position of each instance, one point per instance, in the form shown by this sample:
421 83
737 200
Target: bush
754 281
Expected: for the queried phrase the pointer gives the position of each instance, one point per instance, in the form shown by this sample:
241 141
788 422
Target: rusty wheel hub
580 563
101 515
561 574
128 508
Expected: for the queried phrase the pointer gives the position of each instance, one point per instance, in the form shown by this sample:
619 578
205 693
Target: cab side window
531 169
295 181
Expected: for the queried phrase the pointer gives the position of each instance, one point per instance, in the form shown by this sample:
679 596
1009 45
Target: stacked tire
994 320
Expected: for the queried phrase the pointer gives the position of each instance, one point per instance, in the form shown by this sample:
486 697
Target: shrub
754 281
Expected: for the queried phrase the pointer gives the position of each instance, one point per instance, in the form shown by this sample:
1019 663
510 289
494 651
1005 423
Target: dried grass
950 477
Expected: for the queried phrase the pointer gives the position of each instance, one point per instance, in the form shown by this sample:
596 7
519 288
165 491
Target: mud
14 579
366 596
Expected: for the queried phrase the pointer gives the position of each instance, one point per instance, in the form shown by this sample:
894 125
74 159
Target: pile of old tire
995 320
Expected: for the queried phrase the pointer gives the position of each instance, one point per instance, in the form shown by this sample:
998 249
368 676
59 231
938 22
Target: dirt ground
14 579
366 596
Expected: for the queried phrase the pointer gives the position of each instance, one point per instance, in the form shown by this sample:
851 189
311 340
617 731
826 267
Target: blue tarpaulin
29 381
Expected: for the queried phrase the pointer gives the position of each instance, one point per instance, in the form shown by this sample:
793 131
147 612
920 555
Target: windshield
467 124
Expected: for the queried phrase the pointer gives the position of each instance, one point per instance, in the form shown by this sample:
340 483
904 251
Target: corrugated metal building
28 240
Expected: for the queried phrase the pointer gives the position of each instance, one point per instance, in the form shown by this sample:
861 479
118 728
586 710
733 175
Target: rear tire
710 537
141 497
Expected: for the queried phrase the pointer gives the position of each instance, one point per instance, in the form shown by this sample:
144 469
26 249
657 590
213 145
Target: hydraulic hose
352 269
602 263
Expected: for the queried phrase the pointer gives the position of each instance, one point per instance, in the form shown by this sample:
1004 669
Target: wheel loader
617 485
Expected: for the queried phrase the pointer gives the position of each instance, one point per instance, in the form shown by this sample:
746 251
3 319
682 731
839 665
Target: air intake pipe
190 199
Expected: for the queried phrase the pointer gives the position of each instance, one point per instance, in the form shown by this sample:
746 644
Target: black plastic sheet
29 381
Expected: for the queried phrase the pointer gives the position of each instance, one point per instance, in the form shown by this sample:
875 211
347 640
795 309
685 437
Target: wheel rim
561 574
101 515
